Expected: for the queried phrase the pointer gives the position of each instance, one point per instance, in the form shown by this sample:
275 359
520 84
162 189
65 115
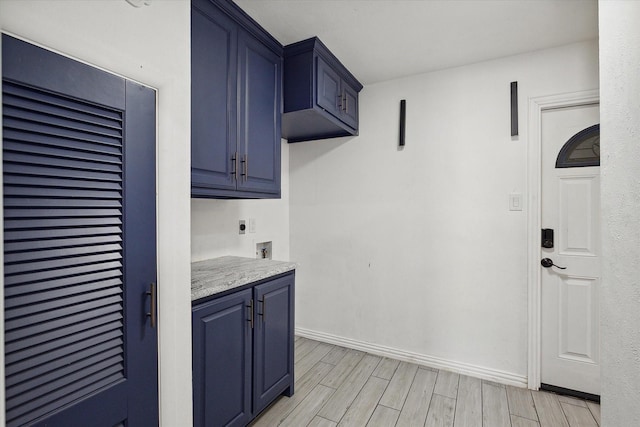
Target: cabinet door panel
350 107
273 340
328 89
260 93
213 97
222 361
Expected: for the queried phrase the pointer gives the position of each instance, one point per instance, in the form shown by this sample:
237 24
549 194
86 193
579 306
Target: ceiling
379 40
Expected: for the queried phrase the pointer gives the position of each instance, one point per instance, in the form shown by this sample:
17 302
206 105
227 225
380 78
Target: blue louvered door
79 243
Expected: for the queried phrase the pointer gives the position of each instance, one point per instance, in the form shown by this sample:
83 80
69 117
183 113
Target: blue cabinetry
236 93
320 94
243 352
222 342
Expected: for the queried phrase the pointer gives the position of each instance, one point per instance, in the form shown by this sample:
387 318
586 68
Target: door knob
547 263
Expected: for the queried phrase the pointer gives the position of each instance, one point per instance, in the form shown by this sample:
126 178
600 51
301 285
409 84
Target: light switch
252 225
515 202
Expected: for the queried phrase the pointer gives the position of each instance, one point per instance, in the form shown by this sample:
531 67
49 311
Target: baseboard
484 373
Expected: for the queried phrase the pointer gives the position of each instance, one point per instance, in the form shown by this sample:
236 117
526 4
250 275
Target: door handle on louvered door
153 309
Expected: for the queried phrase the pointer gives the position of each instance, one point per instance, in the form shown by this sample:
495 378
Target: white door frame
536 107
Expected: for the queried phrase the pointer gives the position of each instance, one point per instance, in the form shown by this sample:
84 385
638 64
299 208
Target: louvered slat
62 346
57 294
97 315
45 234
18 90
43 181
63 260
68 152
69 271
61 283
61 111
46 171
103 351
54 253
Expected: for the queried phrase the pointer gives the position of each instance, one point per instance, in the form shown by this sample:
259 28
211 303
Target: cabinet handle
245 167
264 309
153 309
346 103
234 163
340 101
250 307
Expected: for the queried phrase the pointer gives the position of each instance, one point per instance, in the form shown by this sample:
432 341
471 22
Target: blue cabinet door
79 243
222 361
273 341
328 93
350 105
260 89
213 99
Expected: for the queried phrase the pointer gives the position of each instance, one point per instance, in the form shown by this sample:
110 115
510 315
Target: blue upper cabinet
260 116
214 38
320 94
236 104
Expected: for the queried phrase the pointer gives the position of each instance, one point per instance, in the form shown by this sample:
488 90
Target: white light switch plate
515 202
252 225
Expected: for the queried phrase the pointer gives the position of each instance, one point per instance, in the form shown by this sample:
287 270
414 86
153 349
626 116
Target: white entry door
570 348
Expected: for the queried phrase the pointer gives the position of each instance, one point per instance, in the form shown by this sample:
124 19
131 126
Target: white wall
150 45
214 223
620 127
415 249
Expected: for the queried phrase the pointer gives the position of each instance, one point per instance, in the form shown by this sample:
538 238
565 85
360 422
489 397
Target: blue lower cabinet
222 345
242 352
274 341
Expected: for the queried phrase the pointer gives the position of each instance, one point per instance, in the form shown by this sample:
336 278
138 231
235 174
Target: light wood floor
335 386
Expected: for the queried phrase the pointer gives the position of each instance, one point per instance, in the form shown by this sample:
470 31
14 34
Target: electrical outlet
242 227
252 225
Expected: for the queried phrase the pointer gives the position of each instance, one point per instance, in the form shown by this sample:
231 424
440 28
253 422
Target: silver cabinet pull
234 163
245 167
250 307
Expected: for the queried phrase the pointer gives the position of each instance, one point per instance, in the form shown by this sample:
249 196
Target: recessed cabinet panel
350 106
259 139
222 361
273 362
328 89
213 98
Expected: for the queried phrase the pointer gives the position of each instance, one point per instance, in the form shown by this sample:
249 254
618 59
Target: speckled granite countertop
217 275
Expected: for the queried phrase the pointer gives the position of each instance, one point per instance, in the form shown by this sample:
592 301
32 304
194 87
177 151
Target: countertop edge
218 275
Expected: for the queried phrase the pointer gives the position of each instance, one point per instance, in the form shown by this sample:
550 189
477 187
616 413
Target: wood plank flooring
335 386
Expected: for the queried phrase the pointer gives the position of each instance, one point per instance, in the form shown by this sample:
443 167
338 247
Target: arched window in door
582 149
